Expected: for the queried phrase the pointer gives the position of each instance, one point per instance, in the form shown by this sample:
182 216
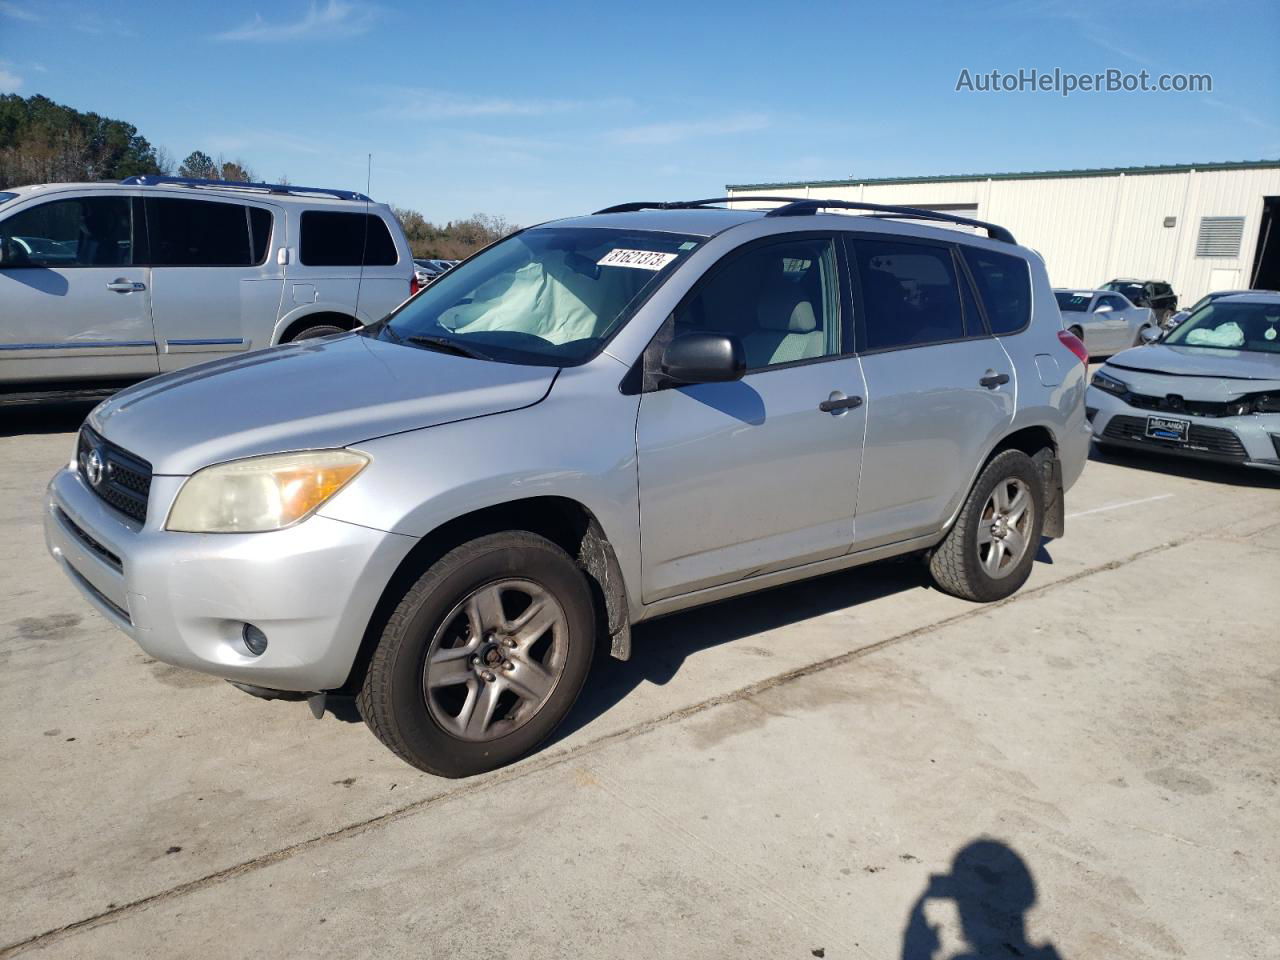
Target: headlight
1110 384
262 493
1266 403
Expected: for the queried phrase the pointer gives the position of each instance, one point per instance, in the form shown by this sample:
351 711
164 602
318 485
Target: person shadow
991 889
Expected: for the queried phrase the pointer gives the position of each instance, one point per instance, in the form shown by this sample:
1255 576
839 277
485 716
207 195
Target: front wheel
987 554
483 656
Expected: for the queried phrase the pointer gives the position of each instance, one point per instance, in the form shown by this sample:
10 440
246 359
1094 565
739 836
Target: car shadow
32 418
660 648
1157 461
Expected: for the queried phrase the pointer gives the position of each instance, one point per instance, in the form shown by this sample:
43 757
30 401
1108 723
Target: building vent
1219 236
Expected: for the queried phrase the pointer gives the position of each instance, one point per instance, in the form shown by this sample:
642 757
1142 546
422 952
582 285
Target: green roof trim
1030 175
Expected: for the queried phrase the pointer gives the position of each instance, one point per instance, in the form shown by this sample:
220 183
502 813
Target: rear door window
345 240
909 292
76 232
1004 283
201 233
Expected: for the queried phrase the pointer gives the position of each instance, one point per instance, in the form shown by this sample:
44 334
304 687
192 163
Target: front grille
1192 408
1215 440
122 480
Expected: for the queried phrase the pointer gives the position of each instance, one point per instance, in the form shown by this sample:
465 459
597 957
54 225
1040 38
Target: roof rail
152 180
800 208
683 204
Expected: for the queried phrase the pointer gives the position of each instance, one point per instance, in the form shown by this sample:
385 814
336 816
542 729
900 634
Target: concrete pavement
769 777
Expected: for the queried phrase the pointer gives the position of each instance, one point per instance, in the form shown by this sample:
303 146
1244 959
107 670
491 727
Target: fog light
254 639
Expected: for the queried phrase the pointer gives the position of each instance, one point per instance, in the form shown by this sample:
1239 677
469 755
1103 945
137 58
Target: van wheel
483 656
988 553
319 330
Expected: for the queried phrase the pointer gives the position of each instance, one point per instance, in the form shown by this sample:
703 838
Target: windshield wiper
445 345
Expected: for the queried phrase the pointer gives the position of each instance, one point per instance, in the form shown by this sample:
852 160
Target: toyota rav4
592 423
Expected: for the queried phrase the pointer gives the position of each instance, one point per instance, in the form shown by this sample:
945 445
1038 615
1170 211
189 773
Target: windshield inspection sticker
638 259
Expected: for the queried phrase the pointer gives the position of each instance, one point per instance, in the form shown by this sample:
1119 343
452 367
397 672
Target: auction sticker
638 259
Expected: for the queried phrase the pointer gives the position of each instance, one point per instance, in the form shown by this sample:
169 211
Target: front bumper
1251 441
185 597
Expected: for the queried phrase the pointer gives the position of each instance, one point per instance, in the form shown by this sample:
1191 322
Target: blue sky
532 111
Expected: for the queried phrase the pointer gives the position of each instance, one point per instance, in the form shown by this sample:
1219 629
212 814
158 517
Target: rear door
744 478
940 387
215 283
74 303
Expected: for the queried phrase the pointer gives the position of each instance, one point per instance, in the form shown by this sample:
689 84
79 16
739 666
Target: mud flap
1054 499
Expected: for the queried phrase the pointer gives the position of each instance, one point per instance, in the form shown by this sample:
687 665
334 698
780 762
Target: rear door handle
126 286
993 379
838 403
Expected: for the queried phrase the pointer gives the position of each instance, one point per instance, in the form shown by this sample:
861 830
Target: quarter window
346 240
1004 283
201 233
77 232
781 300
909 294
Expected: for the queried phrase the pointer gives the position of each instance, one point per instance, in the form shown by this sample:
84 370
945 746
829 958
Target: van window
909 294
1004 283
76 232
339 239
198 233
260 232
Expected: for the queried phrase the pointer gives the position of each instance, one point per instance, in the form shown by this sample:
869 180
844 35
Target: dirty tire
319 330
955 564
392 701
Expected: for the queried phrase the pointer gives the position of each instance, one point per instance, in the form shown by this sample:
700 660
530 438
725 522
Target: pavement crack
554 758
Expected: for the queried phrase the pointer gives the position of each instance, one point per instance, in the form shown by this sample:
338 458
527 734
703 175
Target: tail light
1075 345
414 286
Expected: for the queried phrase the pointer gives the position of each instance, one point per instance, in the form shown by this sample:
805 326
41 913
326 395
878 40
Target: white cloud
664 133
10 82
17 12
336 18
441 104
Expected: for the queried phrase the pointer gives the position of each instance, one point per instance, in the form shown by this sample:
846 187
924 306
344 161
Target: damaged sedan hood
1201 373
313 394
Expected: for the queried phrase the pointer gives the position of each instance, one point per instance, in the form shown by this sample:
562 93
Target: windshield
1134 291
545 296
1074 302
1254 327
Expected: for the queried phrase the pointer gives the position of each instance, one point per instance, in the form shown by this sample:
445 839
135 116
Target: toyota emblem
94 467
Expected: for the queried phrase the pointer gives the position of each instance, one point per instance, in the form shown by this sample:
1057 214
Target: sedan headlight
1266 403
1106 382
262 493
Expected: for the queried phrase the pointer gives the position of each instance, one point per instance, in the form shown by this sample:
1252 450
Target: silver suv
105 284
594 422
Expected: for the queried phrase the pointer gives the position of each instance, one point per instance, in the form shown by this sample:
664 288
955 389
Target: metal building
1201 227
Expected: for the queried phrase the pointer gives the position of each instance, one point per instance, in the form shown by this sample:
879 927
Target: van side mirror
704 358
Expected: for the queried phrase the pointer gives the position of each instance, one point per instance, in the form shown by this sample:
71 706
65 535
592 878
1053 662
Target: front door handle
122 285
993 379
837 403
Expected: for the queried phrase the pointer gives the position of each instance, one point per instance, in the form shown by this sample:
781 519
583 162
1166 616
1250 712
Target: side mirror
704 358
1102 308
1150 334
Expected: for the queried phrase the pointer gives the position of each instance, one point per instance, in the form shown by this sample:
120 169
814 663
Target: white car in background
106 284
1106 321
1209 390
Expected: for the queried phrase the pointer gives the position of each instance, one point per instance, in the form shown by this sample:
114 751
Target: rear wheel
988 552
483 656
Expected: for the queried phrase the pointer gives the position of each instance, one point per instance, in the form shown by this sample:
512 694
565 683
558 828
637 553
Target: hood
307 395
1201 373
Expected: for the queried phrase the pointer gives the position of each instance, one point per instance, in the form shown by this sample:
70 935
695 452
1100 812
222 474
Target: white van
105 284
